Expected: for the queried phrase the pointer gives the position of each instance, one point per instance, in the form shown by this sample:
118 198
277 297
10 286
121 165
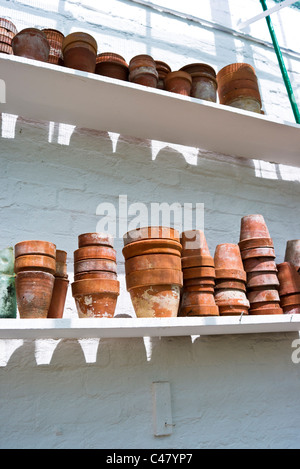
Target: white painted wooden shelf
145 327
47 92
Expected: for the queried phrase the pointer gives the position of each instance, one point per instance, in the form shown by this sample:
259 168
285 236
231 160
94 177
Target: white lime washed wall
226 391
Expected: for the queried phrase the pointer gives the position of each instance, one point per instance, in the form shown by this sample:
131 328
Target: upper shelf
43 91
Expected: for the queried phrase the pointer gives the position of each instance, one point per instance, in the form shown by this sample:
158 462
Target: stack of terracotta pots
60 287
112 65
153 270
257 251
7 33
8 301
292 253
142 70
238 87
55 39
80 51
35 266
198 276
204 82
230 290
95 287
31 43
289 288
162 69
179 82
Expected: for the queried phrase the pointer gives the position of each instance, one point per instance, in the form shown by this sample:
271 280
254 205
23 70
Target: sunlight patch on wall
8 125
266 170
190 154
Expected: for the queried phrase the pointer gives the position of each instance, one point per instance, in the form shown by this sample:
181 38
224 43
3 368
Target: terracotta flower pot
8 300
204 82
260 264
32 44
34 293
88 265
6 48
35 262
194 244
265 311
199 288
289 279
55 39
292 252
262 279
230 310
155 301
256 243
253 226
96 297
61 264
5 37
142 70
197 298
231 274
7 261
153 277
112 65
258 252
292 299
230 284
80 51
231 297
95 239
291 309
151 232
96 274
8 25
152 261
35 247
197 261
195 310
162 69
198 272
261 296
57 305
95 252
152 246
228 262
179 82
199 281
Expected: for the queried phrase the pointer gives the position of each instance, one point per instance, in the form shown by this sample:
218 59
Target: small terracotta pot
254 243
8 300
231 274
8 25
95 252
179 82
292 252
194 244
197 261
152 261
57 305
293 299
34 293
199 288
162 69
238 70
197 298
35 262
32 44
266 311
35 247
289 279
154 301
61 264
80 51
199 281
230 284
153 277
142 70
151 232
258 252
151 246
261 296
96 297
230 310
227 297
6 48
260 264
198 272
112 65
204 82
95 239
195 310
228 257
262 279
253 226
5 38
96 274
88 265
291 309
55 39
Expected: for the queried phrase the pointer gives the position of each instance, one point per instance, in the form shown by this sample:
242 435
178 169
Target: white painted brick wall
227 392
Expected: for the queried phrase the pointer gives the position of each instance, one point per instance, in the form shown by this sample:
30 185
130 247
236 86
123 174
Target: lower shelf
144 327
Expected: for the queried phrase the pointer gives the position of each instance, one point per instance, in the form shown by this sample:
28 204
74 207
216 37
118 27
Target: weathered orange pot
292 252
231 310
57 305
231 297
55 39
155 301
199 287
262 279
179 82
199 281
152 277
151 232
34 293
258 252
231 274
260 264
253 226
197 298
8 25
95 252
35 262
289 279
61 264
292 299
35 247
265 311
80 51
112 65
152 261
88 265
198 272
291 309
194 244
265 295
230 284
96 274
162 69
142 70
195 310
32 44
197 261
95 239
96 297
152 246
204 82
253 243
228 262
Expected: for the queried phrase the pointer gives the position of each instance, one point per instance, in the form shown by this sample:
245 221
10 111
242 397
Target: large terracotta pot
35 262
95 239
112 65
204 82
8 300
32 44
162 69
34 293
95 252
152 261
96 297
35 247
151 246
80 51
155 301
179 82
142 70
289 279
292 252
88 265
151 232
57 305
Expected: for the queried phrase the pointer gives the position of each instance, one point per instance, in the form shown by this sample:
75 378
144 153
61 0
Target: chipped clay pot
204 82
260 264
292 252
95 252
95 239
179 82
262 279
112 65
155 301
152 261
32 44
88 265
162 69
35 262
289 279
152 246
57 305
8 300
142 71
34 293
80 51
35 247
96 298
151 232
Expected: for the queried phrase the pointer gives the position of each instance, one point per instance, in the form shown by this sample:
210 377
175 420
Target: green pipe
282 65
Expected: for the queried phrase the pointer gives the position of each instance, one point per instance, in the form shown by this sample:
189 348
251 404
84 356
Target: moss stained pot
31 43
8 299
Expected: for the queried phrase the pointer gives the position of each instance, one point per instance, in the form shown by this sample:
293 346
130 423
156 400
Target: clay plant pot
202 287
6 37
142 71
265 311
231 297
204 82
292 299
34 293
112 65
253 226
152 261
230 284
289 279
197 261
88 265
6 48
151 232
95 252
156 301
262 279
261 296
291 310
80 51
198 272
228 262
35 262
96 274
61 264
8 300
152 246
57 305
153 277
198 303
194 244
258 252
229 310
292 252
256 243
7 261
35 247
55 39
8 25
96 298
179 82
32 44
95 239
162 69
259 264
